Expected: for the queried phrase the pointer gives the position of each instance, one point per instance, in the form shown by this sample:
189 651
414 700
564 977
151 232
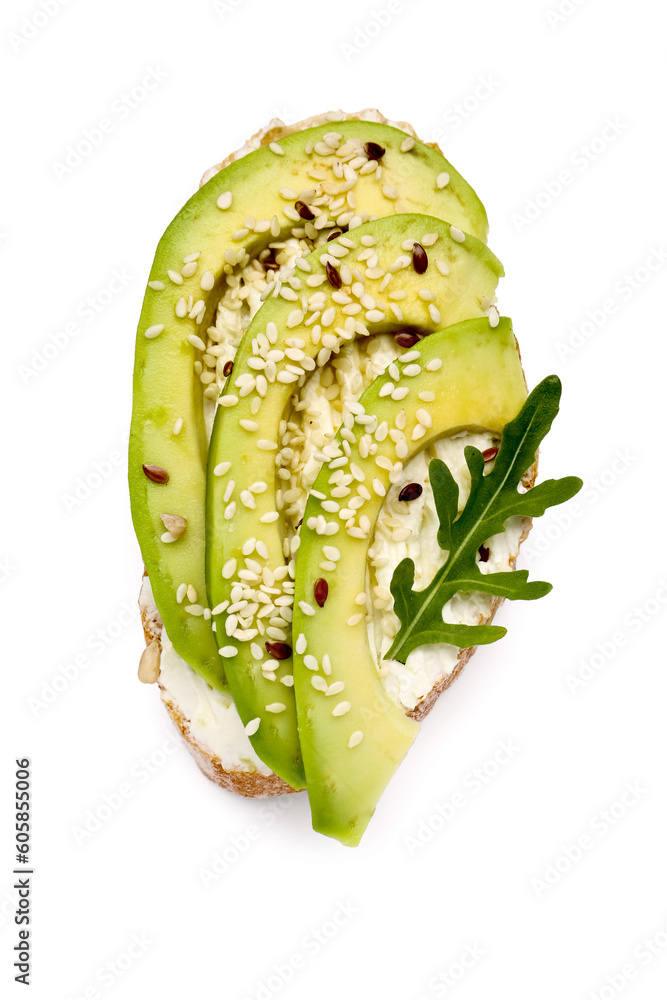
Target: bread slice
248 776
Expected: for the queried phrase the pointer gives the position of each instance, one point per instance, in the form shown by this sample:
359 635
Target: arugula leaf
493 499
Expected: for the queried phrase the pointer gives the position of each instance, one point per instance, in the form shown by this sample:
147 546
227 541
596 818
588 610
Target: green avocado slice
314 181
353 735
246 559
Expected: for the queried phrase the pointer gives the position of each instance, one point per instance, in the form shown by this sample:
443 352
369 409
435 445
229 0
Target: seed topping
410 492
278 650
156 474
374 151
321 591
419 258
333 276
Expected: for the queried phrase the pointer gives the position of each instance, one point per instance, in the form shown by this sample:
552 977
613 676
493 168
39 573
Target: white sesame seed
252 727
240 234
228 651
189 269
301 643
269 517
225 200
229 569
181 592
230 510
207 281
355 619
219 608
265 445
276 148
435 365
249 425
400 392
289 194
318 683
341 708
494 316
427 396
158 286
275 707
154 331
434 313
326 664
442 180
196 341
457 234
407 144
310 662
287 680
355 739
306 608
175 277
442 267
228 400
411 370
334 688
390 192
222 468
195 609
227 496
424 417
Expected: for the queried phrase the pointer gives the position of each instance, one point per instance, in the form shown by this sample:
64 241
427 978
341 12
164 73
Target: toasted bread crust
254 784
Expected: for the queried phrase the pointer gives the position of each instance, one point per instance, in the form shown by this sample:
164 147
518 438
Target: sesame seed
265 445
219 608
228 651
269 517
424 417
342 708
225 200
157 285
306 608
334 688
411 370
154 331
276 148
287 680
249 425
228 491
418 432
407 144
230 510
181 592
207 281
222 468
275 707
228 400
195 609
326 664
229 569
457 234
390 192
196 341
318 683
289 194
355 619
400 392
310 662
252 727
494 316
434 313
379 488
442 180
435 365
175 277
240 234
301 643
355 739
428 239
189 269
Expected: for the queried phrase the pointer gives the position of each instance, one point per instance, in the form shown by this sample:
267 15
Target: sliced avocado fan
424 273
313 182
353 735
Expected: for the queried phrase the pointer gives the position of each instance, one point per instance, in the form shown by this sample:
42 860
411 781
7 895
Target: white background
536 92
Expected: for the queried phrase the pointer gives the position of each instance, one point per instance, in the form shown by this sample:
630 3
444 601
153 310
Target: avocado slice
336 175
246 558
353 735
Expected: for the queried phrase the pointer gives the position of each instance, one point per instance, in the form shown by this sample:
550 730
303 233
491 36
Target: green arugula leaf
492 500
